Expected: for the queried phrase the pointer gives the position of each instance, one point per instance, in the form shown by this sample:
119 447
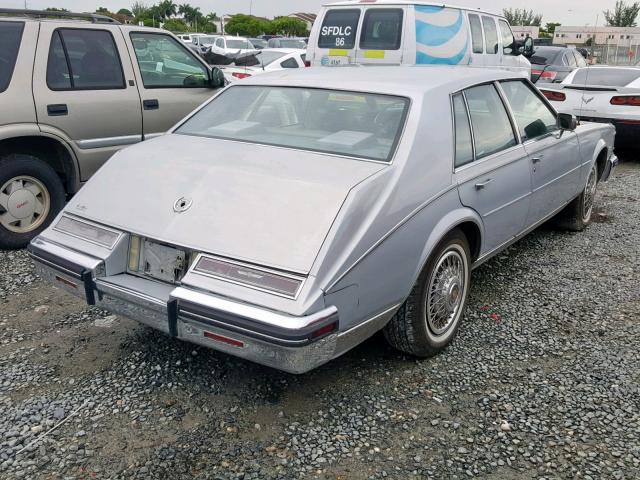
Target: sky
567 12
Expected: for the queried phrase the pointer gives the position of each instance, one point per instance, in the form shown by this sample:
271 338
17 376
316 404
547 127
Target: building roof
307 17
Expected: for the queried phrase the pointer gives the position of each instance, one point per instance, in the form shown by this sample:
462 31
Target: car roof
368 3
284 50
409 80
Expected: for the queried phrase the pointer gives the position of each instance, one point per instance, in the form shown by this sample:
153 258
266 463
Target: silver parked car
300 212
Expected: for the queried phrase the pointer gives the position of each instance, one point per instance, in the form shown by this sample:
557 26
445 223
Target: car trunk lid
265 205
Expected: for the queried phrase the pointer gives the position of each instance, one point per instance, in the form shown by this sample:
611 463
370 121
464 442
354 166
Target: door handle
57 109
152 104
537 159
480 186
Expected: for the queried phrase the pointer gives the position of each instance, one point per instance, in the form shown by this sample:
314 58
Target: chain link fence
628 54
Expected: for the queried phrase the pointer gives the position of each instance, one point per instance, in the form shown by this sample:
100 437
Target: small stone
505 426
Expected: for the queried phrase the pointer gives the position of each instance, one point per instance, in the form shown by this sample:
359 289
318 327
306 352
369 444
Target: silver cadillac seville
298 213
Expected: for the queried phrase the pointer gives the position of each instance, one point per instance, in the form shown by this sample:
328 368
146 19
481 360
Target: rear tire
31 195
429 319
577 215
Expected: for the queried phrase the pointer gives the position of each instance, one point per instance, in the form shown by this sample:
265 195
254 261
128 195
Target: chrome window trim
194 269
93 224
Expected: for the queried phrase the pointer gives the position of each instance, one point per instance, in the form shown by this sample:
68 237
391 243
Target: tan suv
73 90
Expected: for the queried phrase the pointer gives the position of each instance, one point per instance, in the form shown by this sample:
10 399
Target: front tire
429 319
31 195
577 215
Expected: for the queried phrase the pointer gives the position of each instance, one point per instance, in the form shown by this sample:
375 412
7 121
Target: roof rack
94 17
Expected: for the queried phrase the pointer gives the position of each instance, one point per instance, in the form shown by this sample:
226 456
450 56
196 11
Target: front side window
464 142
532 115
165 63
508 41
570 60
492 130
83 59
339 29
382 29
10 36
476 34
490 35
339 122
220 43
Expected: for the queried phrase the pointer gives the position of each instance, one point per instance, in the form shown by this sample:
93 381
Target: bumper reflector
227 340
326 330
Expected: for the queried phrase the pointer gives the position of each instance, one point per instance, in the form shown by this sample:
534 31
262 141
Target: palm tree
167 8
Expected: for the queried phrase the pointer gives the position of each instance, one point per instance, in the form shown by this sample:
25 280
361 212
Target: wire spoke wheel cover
24 204
446 291
589 195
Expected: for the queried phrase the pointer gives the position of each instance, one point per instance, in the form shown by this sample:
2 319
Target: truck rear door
380 40
337 38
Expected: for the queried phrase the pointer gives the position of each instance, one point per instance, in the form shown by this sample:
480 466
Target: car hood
266 205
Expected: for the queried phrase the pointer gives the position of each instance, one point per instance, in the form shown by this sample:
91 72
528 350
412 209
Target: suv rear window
10 36
382 29
339 29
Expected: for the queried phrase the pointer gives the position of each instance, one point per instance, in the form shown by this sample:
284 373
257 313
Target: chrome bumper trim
611 165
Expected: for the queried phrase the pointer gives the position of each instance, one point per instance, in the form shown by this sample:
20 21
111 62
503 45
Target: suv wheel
31 195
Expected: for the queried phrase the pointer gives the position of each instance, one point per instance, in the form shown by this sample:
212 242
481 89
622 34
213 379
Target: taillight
554 96
326 330
633 101
547 75
240 75
307 63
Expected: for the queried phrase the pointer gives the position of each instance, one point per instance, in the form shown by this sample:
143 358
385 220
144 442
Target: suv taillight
554 96
633 101
240 75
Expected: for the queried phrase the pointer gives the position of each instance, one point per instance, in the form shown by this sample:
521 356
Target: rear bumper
295 344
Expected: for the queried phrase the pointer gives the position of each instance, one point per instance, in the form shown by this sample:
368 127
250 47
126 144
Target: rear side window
508 41
476 34
10 36
606 77
490 35
464 144
382 29
289 63
492 130
82 59
339 29
570 60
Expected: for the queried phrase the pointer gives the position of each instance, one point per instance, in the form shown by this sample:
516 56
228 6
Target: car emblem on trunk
587 100
182 204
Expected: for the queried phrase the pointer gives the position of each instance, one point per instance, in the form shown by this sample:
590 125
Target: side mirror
527 49
217 78
567 121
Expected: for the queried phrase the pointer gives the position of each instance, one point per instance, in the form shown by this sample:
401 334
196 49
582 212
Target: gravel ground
542 382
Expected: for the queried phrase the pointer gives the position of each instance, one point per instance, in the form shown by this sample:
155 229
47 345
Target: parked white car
602 94
394 32
271 59
225 45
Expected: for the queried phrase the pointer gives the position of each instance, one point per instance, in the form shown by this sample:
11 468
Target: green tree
124 11
175 25
53 9
522 17
245 25
166 9
289 26
623 15
549 30
103 11
139 10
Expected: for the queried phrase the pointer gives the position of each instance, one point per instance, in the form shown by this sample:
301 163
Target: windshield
239 44
10 35
207 40
331 121
544 56
609 77
289 43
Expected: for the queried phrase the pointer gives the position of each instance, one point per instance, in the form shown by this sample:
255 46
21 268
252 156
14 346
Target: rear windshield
240 44
10 35
339 29
269 56
330 121
609 77
544 56
382 29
